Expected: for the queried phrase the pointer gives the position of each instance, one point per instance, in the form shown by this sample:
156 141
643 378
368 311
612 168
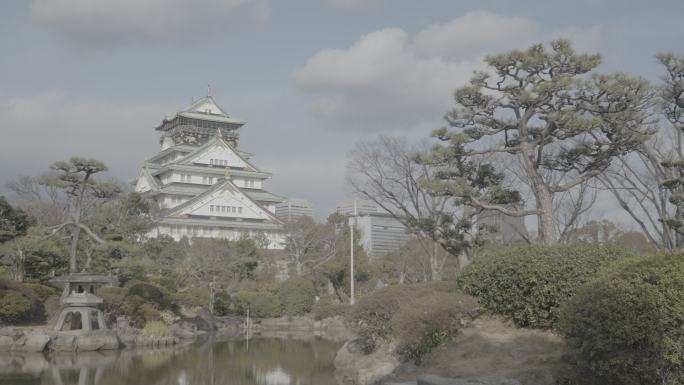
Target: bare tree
213 264
309 244
47 204
649 184
572 207
386 172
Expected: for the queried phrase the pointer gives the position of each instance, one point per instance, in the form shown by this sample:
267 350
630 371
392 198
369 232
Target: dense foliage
142 302
328 306
259 304
417 317
14 222
626 326
297 296
529 283
19 304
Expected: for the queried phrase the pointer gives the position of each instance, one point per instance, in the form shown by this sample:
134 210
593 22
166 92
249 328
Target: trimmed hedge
151 293
418 317
529 284
627 325
43 291
19 304
14 306
297 296
142 302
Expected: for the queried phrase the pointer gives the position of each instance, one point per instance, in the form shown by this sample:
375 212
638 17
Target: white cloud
389 79
584 39
107 23
350 3
475 33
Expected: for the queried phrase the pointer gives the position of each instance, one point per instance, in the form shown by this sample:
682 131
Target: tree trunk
299 269
20 267
545 217
75 233
546 225
211 295
435 265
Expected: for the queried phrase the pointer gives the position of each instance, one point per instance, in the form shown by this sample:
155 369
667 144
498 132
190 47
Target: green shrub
151 293
327 307
9 284
297 296
412 315
261 304
223 304
149 313
192 296
14 306
528 284
42 291
19 304
627 325
426 322
155 328
113 297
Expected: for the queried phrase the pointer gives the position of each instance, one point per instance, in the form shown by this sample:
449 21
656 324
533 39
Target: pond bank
39 339
489 351
44 338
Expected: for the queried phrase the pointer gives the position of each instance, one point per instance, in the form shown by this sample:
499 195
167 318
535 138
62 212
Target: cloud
474 34
106 23
379 82
390 80
50 126
350 3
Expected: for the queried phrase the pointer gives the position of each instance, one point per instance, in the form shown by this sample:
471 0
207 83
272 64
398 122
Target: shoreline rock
352 366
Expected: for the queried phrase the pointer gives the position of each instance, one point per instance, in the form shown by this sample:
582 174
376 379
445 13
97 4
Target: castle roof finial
209 90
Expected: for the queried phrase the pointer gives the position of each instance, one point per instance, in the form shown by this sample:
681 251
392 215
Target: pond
265 361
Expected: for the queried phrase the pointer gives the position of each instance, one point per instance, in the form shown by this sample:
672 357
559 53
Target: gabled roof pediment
206 105
146 182
217 149
223 194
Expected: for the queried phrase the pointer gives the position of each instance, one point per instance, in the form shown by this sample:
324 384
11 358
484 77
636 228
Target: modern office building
380 232
292 209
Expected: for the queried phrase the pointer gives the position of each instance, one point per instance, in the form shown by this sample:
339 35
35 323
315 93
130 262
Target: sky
93 78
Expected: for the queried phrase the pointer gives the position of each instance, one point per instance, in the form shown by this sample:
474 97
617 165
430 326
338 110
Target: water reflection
264 362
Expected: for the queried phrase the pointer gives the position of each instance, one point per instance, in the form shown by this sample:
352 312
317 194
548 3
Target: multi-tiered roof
205 186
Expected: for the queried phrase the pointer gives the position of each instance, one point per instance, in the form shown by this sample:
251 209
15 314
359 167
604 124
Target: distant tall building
380 232
292 209
205 186
501 229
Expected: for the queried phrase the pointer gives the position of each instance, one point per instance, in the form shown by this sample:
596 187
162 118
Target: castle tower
204 185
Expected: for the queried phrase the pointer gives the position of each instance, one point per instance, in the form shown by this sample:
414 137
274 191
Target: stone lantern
81 307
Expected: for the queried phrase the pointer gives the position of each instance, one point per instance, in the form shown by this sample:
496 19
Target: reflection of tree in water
266 362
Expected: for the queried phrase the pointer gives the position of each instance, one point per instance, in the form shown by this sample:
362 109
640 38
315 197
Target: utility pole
351 253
